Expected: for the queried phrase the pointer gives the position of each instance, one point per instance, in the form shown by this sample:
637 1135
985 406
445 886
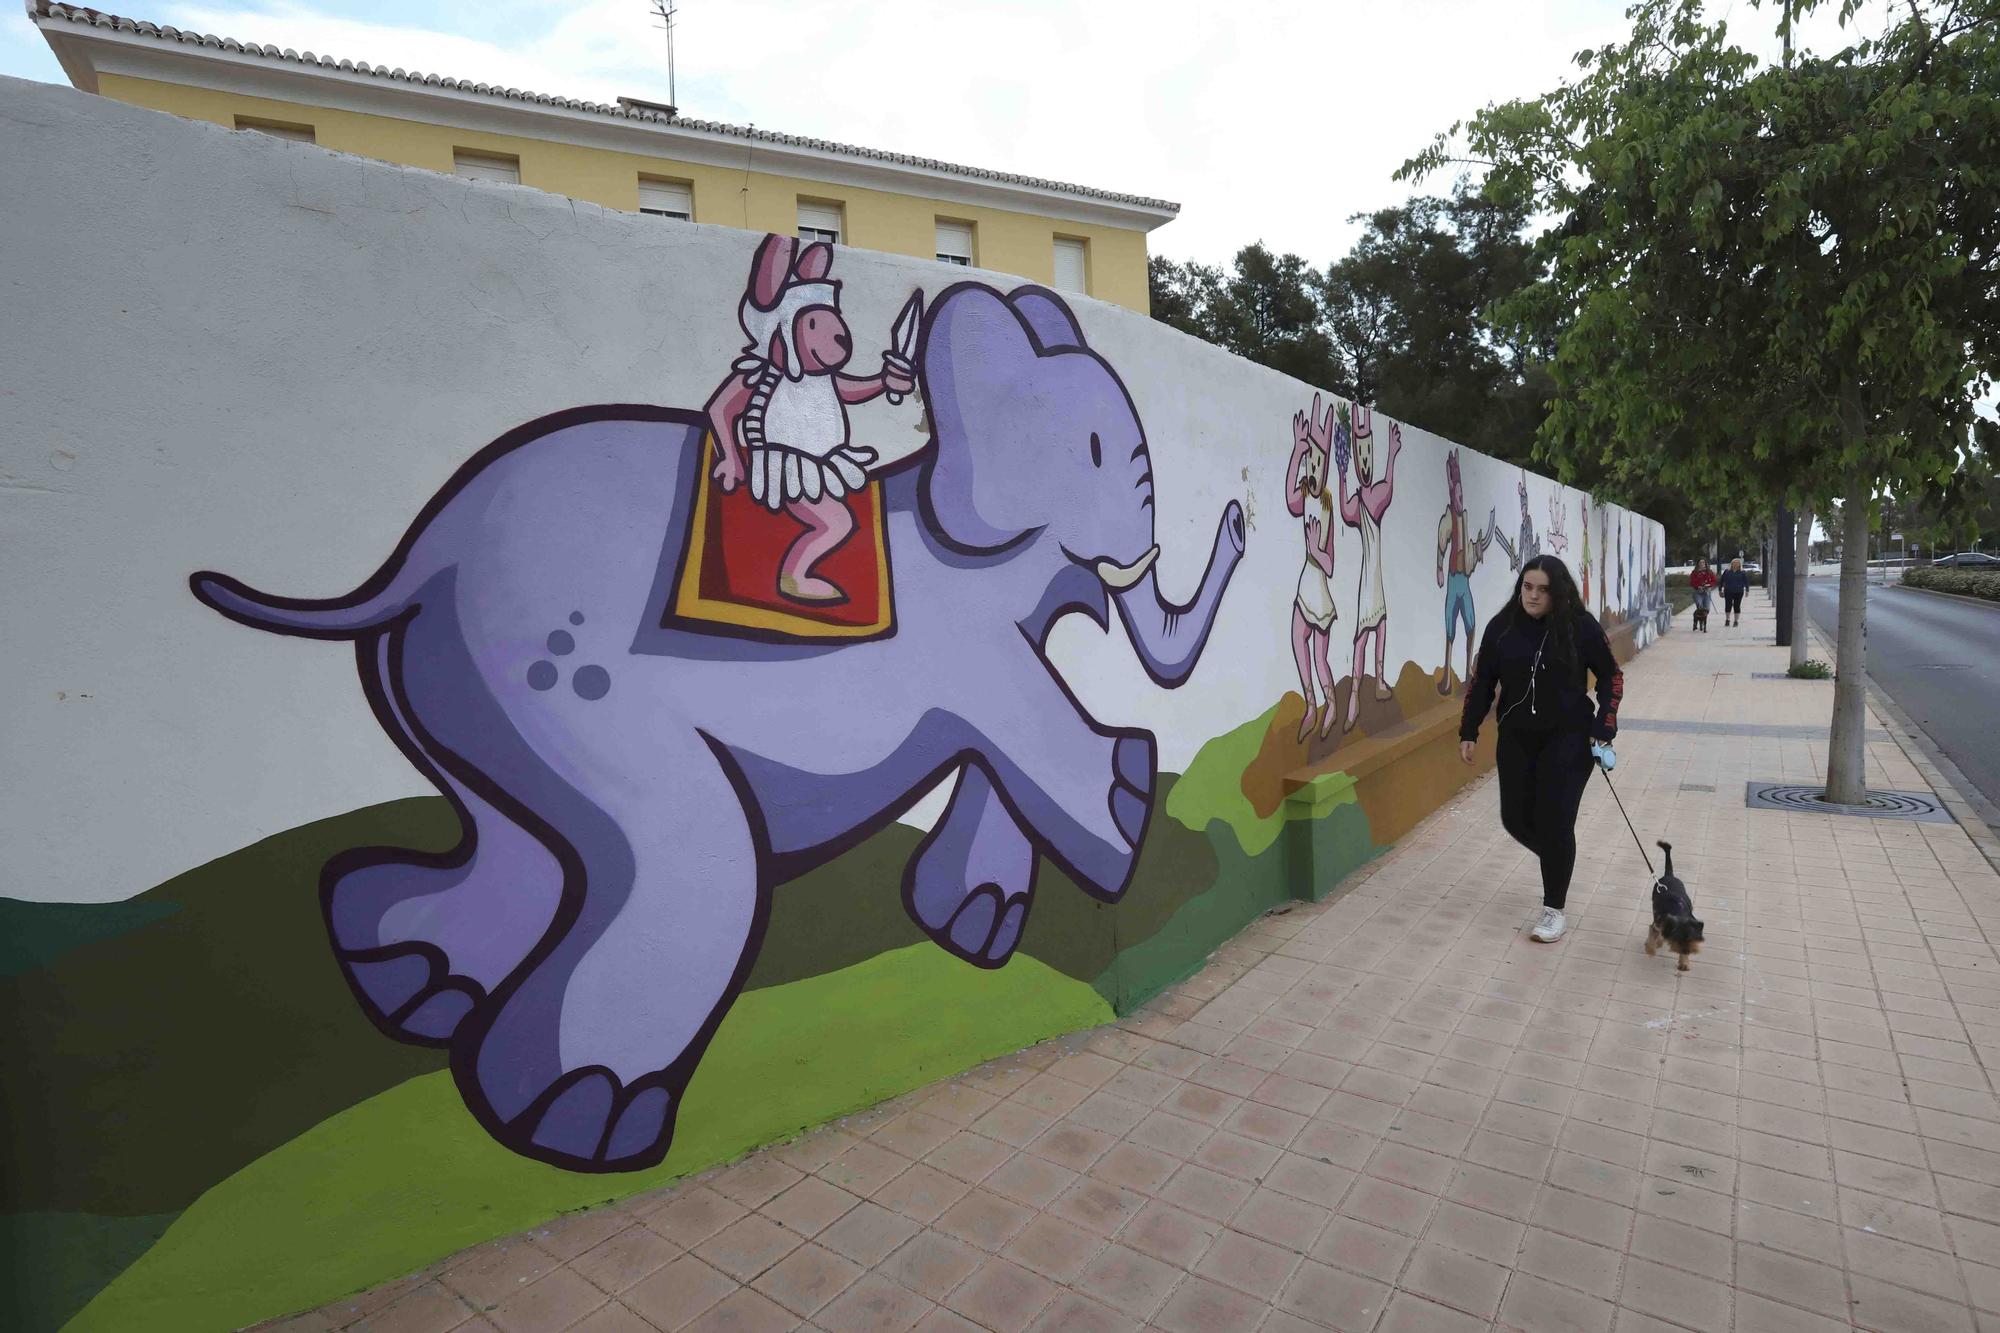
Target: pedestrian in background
1735 582
1702 581
1536 652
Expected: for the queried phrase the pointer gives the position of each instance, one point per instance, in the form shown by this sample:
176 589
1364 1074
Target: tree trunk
1846 773
1801 564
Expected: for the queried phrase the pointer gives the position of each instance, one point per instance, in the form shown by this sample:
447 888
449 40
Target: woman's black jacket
1538 689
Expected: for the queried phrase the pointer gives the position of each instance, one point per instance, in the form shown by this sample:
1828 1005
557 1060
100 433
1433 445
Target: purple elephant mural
631 789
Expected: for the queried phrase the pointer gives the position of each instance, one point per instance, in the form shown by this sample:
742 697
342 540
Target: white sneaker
1551 927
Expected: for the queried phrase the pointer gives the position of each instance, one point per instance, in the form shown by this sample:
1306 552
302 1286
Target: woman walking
1735 582
1702 581
1536 653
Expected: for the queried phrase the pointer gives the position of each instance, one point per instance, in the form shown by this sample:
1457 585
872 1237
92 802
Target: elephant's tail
369 607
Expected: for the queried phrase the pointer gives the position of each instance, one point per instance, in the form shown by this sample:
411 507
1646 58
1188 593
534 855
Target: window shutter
954 242
485 167
1070 268
819 222
296 133
667 199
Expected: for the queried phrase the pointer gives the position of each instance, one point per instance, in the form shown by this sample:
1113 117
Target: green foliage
1763 282
1810 669
1964 582
1263 309
1406 310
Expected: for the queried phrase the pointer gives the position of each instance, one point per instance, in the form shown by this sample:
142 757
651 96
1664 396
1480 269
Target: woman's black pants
1732 604
1542 777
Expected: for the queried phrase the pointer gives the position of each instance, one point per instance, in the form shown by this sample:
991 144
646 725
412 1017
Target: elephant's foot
589 1120
970 884
580 1059
811 588
1105 869
408 991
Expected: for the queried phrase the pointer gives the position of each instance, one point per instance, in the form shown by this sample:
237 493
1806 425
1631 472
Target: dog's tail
1668 848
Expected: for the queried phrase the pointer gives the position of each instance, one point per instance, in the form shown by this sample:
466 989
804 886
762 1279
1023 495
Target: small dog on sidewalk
1674 921
1701 620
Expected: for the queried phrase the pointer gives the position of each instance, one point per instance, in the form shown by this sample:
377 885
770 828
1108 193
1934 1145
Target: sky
1265 121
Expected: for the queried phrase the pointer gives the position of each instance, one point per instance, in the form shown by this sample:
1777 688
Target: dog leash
1628 819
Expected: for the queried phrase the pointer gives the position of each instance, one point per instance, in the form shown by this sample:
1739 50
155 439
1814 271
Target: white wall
224 351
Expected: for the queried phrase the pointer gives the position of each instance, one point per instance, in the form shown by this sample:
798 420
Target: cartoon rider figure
780 416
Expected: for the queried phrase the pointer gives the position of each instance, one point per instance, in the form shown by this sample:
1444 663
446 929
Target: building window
486 167
954 242
277 129
1070 266
666 199
819 222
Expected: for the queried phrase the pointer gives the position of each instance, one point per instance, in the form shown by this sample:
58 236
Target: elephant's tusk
1119 577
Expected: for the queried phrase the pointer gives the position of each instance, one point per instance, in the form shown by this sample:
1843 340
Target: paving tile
873 1305
1330 1297
1171 1234
1456 1279
1369 1251
1002 1296
745 1312
868 1233
676 1295
1675 1296
931 1264
748 1246
1535 1306
625 1258
1128 1280
1882 1308
1054 1248
1252 1266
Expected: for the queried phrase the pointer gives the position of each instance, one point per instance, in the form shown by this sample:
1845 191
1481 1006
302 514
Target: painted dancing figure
1313 612
1363 512
1458 554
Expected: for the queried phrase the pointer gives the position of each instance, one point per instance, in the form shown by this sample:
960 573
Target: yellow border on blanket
689 604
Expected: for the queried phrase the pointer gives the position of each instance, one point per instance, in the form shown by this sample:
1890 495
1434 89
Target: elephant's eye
1096 451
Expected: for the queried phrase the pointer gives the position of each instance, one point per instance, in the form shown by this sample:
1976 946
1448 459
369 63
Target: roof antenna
666 11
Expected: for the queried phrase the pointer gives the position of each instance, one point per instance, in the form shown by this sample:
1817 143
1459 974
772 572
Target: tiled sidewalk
1394 1112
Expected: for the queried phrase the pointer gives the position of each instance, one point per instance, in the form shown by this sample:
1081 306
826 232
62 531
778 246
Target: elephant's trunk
1169 638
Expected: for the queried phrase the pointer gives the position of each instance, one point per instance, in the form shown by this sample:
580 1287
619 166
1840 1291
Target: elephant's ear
978 363
1049 316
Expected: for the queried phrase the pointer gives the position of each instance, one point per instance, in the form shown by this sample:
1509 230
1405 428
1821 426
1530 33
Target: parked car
1967 560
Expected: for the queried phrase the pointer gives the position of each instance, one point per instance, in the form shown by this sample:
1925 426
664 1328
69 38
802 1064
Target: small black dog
1674 921
1701 619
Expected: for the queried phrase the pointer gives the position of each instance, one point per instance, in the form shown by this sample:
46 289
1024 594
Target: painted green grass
51 1264
1211 791
408 1177
1212 787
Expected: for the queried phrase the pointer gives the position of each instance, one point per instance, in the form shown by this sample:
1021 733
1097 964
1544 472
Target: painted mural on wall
304 1015
630 787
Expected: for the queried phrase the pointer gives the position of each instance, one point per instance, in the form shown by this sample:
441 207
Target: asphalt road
1939 659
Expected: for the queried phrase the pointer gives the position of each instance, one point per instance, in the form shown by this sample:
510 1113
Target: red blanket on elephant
729 576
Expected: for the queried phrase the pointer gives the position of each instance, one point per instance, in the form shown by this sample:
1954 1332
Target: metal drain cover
1697 786
1786 675
1809 799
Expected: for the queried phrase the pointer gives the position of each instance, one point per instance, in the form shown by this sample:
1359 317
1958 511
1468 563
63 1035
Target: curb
1974 813
1955 596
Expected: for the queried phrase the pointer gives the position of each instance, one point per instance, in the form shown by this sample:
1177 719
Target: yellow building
633 155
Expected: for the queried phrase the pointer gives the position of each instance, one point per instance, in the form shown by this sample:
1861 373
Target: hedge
1681 580
1964 582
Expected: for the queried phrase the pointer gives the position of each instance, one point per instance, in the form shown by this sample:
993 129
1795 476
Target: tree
1406 311
1263 310
1767 283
